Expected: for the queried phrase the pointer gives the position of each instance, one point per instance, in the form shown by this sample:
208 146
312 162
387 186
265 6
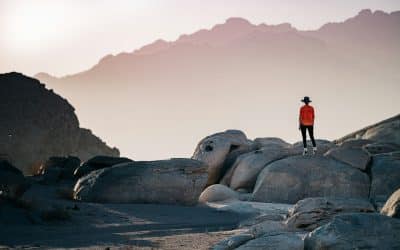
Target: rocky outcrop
219 151
385 175
392 205
99 162
244 172
310 213
36 124
294 178
175 181
12 182
386 131
356 231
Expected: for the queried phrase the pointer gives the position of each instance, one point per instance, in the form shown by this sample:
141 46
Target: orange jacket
306 115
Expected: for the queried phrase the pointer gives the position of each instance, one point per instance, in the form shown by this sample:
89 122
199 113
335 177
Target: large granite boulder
385 175
294 178
218 192
356 231
355 157
248 166
12 182
219 152
167 181
98 162
36 124
310 213
392 205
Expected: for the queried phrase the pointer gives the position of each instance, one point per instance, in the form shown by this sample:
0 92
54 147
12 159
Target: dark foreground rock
310 213
36 124
167 181
12 182
56 168
356 231
99 162
392 206
294 178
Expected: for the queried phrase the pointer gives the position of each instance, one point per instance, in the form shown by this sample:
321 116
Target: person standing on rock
306 122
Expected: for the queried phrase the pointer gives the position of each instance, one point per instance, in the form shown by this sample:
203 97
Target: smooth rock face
214 150
12 182
355 157
248 166
275 241
99 162
392 206
36 124
311 213
218 192
356 231
385 174
168 181
294 178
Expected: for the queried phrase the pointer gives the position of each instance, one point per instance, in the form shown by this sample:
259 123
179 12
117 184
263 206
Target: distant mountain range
240 75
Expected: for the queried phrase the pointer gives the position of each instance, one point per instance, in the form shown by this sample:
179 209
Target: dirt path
126 226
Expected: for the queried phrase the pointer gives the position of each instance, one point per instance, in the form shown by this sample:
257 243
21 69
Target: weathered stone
12 182
355 157
99 162
218 192
248 166
385 175
311 213
294 178
275 241
392 205
214 149
233 242
381 148
355 143
356 231
167 181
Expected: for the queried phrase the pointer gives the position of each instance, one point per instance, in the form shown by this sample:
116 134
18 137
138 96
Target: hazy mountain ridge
232 74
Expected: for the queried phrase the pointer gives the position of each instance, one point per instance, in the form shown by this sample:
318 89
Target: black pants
310 129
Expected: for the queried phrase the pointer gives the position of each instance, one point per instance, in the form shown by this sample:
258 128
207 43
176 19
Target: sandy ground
123 226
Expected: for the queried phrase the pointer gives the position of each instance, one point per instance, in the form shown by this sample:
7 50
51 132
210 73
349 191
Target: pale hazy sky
68 36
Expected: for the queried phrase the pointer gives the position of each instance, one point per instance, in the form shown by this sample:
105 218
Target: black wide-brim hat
306 99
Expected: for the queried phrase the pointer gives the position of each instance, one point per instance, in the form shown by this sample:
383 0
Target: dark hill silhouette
36 124
235 75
